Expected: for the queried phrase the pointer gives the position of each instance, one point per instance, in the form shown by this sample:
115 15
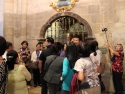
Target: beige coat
17 80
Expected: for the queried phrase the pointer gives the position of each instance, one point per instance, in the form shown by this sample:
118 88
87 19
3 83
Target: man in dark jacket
42 59
53 68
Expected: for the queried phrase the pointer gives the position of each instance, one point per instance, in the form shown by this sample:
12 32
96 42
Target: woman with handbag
87 68
35 61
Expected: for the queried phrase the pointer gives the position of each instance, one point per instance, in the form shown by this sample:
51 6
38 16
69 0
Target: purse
33 65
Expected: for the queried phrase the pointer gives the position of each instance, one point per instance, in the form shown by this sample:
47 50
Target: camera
104 29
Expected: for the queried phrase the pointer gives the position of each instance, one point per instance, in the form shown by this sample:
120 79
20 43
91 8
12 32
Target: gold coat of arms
63 5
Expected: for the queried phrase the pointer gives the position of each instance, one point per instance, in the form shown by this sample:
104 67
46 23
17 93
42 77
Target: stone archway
80 20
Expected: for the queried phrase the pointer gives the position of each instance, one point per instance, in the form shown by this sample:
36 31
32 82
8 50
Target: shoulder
33 52
59 59
66 59
50 57
80 61
98 51
22 67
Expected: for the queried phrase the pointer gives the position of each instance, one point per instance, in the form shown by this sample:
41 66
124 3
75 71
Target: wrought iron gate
64 28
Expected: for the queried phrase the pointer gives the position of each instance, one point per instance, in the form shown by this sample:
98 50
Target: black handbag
84 85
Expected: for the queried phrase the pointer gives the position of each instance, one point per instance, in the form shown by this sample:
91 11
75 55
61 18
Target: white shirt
34 56
5 55
89 68
96 58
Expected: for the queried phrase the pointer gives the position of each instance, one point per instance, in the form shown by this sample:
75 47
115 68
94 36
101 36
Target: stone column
8 20
20 9
1 17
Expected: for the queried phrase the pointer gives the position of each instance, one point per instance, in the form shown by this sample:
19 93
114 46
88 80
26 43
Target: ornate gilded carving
63 5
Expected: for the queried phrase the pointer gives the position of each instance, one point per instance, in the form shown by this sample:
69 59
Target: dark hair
96 43
78 36
71 54
38 44
8 44
63 45
2 45
11 59
56 47
93 46
50 39
24 42
85 50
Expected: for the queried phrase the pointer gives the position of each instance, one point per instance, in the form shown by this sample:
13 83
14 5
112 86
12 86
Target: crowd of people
73 68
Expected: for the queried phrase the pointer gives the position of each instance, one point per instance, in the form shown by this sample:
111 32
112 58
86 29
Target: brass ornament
64 8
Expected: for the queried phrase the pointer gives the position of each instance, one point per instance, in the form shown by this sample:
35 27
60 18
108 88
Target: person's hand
27 64
37 61
109 46
26 50
28 57
60 78
23 56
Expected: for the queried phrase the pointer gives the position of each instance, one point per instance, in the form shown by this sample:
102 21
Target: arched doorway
63 26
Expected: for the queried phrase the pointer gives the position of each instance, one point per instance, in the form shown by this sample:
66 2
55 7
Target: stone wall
23 20
1 17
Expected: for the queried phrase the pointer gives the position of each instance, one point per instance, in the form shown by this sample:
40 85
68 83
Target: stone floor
37 90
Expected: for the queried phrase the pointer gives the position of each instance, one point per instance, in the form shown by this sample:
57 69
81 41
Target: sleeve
33 57
121 55
47 63
79 66
26 73
65 68
41 57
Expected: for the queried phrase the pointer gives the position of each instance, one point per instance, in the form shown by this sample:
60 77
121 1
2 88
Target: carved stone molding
53 18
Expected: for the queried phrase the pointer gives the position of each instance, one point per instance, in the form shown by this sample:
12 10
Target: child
117 67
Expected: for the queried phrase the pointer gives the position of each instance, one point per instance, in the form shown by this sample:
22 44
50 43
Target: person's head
93 47
12 58
9 46
71 54
49 41
77 39
119 47
2 45
38 46
65 45
85 50
56 48
96 43
24 44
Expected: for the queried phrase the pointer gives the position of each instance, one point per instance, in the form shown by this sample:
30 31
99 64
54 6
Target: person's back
55 69
90 70
17 80
17 75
